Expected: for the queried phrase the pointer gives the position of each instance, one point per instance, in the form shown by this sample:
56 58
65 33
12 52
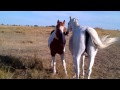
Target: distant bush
52 26
98 28
14 25
27 25
2 24
35 25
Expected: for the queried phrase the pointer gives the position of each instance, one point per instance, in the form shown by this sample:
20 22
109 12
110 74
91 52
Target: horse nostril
67 33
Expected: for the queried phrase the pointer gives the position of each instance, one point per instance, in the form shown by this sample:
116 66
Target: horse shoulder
51 37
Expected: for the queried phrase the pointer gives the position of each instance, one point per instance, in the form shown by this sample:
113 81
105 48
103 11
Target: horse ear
58 21
70 17
75 20
64 21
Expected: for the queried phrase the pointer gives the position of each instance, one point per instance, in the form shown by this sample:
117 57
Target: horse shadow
10 62
13 63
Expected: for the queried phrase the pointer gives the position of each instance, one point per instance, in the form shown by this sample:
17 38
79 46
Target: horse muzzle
66 33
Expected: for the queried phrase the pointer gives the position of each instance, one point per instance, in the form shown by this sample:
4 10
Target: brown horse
57 43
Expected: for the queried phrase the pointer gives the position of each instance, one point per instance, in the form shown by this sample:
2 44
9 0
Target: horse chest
57 44
57 47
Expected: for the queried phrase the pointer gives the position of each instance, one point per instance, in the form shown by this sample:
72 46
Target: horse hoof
74 76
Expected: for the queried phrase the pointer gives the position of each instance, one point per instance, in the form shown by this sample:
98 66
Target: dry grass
24 54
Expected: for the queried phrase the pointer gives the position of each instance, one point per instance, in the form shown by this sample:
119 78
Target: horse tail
101 42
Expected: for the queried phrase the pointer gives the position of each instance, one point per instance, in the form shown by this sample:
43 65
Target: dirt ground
24 50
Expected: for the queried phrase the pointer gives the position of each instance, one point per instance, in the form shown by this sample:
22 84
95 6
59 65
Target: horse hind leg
83 59
64 63
78 52
91 61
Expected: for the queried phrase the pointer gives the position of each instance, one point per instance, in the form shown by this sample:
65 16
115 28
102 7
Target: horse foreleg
53 64
63 63
76 61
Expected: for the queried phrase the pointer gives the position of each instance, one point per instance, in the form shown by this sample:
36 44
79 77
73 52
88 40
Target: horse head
60 28
72 24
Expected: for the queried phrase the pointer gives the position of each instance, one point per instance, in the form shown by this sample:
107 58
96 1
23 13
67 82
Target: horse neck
61 39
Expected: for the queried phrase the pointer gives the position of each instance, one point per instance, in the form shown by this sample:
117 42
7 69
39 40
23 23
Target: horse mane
52 32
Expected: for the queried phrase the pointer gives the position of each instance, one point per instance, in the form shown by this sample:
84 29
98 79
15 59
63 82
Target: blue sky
102 19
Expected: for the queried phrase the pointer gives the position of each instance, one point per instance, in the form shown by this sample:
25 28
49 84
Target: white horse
85 39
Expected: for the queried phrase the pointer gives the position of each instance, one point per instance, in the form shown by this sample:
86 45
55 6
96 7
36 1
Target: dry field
24 54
